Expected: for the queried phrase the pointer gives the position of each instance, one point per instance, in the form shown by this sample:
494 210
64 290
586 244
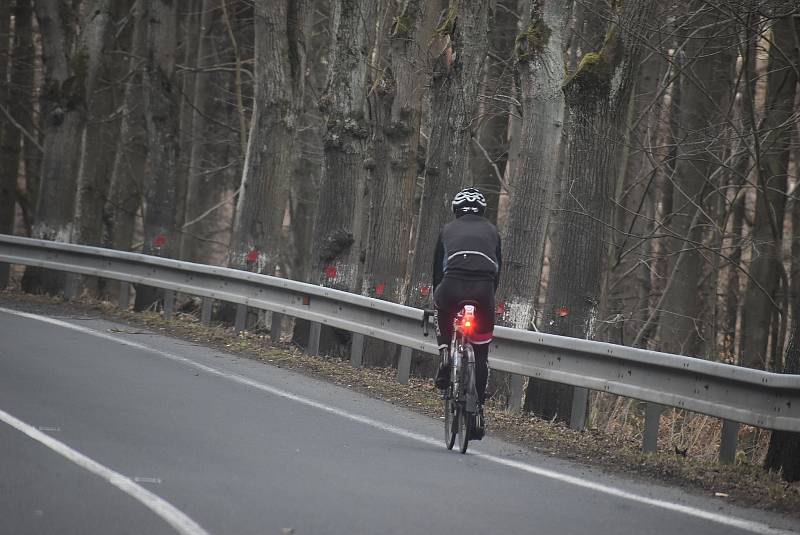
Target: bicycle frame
461 350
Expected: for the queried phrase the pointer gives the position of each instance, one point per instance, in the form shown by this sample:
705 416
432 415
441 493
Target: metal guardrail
732 393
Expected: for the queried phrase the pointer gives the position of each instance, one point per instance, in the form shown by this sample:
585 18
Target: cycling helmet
469 201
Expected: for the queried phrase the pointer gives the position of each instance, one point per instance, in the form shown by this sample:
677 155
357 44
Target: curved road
109 429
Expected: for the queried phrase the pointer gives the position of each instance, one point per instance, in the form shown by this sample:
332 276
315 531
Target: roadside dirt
743 483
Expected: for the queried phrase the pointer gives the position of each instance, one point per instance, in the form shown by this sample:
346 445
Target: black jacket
468 249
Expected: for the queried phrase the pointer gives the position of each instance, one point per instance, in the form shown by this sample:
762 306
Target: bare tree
396 105
160 107
784 447
257 241
9 139
98 148
64 116
126 189
463 34
540 56
597 96
771 148
338 233
706 83
490 141
213 153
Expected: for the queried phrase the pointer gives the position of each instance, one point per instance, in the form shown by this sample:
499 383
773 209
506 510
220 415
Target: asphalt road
107 429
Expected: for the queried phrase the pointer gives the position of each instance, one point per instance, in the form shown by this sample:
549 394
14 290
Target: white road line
739 523
172 516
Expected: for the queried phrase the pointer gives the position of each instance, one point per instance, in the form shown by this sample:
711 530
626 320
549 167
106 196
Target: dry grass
612 440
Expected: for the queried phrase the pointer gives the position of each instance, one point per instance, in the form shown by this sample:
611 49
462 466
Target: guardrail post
124 295
580 401
729 441
275 327
240 323
169 304
5 274
357 350
404 365
71 286
517 391
652 419
205 311
313 338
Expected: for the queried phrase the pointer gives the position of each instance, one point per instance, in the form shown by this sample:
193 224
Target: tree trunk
338 236
629 284
97 154
24 96
540 54
9 135
772 146
490 143
161 114
63 119
597 97
396 104
188 28
456 81
705 94
784 446
126 191
257 242
213 133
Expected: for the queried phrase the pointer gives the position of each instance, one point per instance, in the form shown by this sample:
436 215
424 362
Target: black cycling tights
447 298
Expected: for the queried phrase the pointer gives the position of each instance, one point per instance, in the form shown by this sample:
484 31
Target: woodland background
640 158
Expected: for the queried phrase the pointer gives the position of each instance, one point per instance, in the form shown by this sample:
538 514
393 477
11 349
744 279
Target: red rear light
469 319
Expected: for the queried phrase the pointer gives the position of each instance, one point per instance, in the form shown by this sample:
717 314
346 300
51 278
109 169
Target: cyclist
466 266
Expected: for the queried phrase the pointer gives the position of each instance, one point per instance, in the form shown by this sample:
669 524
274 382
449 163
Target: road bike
462 419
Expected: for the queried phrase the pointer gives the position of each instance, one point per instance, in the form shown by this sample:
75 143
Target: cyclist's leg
444 305
484 294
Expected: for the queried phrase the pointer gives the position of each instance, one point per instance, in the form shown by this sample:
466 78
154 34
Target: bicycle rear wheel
463 428
449 423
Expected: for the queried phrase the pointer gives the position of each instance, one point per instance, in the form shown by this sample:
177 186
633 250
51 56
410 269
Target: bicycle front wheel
450 424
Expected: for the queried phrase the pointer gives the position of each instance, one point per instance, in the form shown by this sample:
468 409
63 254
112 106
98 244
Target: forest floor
743 483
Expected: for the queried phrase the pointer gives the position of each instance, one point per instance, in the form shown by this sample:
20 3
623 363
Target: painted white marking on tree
718 518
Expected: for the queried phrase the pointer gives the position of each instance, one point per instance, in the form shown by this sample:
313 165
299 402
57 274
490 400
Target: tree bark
9 137
338 235
396 104
161 115
63 119
97 152
188 28
456 81
597 97
540 55
257 242
772 145
126 190
21 85
705 94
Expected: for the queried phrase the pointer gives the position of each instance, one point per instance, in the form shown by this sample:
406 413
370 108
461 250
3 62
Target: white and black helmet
469 201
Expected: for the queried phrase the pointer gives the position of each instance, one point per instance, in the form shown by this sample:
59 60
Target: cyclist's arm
438 263
499 256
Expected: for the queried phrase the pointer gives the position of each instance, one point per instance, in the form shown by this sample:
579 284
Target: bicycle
460 401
